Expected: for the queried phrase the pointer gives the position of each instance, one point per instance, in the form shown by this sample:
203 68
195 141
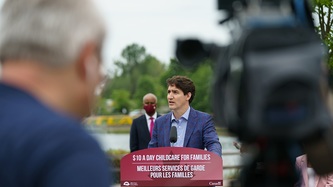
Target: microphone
173 134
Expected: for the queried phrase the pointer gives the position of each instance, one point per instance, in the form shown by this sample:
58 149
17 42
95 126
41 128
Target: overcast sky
156 24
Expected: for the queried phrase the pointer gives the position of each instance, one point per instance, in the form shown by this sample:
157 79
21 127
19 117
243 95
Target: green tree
134 64
121 101
174 68
151 70
133 55
102 107
138 73
323 11
116 83
145 85
151 66
201 76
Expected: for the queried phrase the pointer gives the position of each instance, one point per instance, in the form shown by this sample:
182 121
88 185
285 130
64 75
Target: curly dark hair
183 83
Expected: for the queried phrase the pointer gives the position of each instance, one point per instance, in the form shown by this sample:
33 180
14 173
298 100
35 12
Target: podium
171 166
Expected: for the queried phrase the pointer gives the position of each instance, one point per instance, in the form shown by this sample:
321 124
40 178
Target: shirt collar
185 115
148 117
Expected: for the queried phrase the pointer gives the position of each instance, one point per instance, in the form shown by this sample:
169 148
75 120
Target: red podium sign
171 166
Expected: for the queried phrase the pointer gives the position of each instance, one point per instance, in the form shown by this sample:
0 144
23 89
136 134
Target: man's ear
188 96
83 62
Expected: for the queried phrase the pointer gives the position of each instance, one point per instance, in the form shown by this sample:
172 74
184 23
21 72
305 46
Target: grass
221 131
124 129
233 174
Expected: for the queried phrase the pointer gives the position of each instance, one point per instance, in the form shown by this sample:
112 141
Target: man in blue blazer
194 128
142 126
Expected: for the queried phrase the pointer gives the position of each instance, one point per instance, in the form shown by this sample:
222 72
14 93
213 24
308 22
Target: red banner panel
171 166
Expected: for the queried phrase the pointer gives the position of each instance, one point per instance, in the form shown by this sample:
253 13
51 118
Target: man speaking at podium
193 128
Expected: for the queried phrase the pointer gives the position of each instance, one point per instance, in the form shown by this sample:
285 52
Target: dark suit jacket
200 132
139 135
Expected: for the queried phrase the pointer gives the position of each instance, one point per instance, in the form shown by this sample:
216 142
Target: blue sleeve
83 168
70 159
211 139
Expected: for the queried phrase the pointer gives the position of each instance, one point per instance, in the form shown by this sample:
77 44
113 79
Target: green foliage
139 73
121 100
175 68
233 174
117 152
146 85
323 11
202 79
103 106
151 66
133 55
149 80
114 161
116 83
200 75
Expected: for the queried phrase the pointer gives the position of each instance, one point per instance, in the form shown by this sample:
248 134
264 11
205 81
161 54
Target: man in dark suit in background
141 128
194 128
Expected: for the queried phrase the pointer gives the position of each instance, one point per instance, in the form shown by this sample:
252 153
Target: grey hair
149 94
48 31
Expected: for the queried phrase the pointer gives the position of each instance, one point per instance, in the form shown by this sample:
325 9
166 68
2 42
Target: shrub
115 156
114 120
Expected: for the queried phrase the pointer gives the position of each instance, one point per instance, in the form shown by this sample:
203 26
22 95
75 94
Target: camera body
271 84
275 85
271 80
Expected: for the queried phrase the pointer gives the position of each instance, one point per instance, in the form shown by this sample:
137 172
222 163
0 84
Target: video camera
270 85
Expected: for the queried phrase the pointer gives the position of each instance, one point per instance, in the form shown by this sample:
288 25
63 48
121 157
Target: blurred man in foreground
50 54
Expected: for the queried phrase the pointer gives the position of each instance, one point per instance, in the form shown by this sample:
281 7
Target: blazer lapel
145 129
166 126
191 124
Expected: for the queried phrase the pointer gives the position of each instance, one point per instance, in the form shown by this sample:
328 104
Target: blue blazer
200 132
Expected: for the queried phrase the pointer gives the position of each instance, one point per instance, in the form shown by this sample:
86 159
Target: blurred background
139 55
